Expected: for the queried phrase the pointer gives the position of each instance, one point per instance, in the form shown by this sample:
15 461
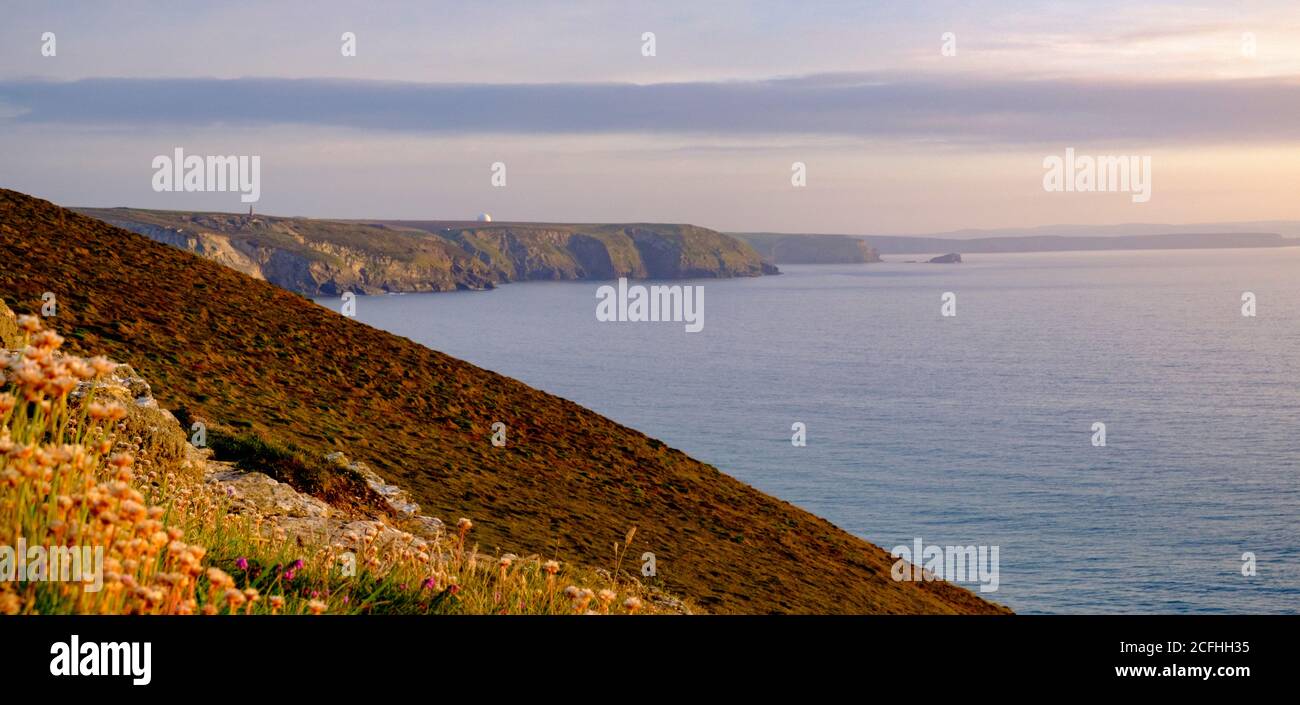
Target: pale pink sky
896 137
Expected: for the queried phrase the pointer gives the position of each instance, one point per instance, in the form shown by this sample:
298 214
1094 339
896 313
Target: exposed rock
10 337
401 501
312 521
256 492
284 513
151 433
121 384
950 258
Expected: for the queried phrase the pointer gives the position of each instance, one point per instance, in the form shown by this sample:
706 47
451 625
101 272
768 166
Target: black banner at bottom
938 655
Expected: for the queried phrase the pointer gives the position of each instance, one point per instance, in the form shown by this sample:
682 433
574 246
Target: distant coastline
848 249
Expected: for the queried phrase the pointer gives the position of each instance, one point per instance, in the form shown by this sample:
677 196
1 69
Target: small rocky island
950 258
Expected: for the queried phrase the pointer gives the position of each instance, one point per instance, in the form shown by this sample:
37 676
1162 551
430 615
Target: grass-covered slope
248 354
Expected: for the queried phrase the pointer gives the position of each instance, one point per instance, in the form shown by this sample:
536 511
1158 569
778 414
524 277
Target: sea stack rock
950 258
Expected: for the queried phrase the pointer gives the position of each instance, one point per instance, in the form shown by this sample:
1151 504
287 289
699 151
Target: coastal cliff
781 248
327 257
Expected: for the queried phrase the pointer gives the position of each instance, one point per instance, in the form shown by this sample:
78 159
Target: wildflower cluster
62 485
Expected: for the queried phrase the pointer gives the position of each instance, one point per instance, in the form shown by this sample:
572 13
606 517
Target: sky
908 117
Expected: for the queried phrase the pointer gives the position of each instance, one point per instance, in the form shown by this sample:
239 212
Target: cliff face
245 354
311 256
523 251
810 249
328 257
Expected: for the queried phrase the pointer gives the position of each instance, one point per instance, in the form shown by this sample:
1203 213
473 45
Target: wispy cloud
965 109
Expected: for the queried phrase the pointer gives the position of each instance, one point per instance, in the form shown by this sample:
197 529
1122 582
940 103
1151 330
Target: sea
983 428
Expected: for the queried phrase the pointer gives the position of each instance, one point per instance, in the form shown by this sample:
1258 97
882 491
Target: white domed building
485 217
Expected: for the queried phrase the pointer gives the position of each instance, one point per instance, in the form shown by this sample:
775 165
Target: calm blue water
967 430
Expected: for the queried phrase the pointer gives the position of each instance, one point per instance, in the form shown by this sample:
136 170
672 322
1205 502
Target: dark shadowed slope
570 482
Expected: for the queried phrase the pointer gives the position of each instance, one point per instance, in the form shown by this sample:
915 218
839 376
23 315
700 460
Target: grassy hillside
241 352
